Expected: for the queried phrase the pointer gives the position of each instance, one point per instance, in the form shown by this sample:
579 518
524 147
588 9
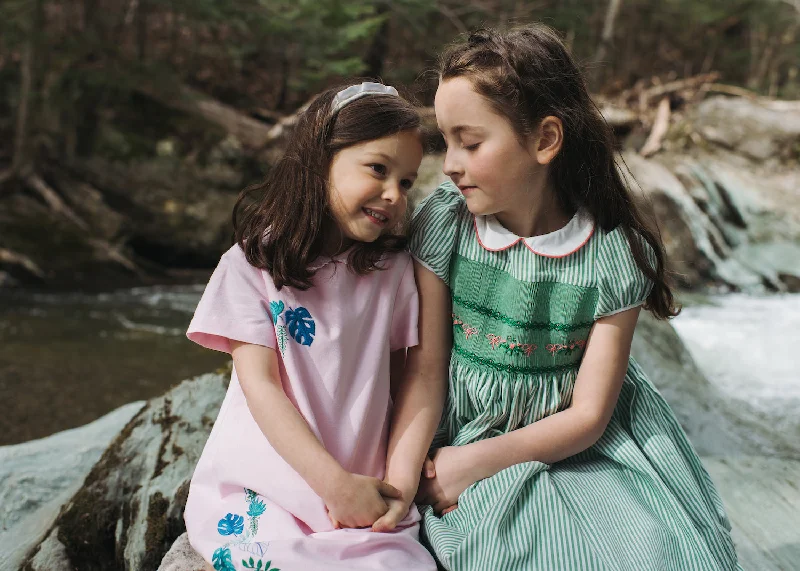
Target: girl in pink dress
316 302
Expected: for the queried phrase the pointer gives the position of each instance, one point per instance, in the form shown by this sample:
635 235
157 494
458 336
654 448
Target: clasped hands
362 501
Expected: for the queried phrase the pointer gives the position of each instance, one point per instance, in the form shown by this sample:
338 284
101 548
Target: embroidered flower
469 331
571 346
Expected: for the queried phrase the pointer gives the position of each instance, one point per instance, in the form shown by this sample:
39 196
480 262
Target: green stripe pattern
639 499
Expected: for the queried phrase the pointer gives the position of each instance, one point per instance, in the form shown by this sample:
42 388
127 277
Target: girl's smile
369 184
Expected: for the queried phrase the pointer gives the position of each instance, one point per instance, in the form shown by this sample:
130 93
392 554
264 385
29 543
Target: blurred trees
81 77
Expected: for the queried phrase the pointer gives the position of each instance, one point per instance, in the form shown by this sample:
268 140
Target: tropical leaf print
234 524
222 560
231 524
257 508
258 565
282 339
301 325
276 308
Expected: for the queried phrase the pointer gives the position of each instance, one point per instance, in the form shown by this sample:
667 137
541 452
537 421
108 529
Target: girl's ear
548 140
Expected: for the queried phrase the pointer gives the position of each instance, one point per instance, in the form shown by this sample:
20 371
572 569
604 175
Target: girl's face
485 158
369 184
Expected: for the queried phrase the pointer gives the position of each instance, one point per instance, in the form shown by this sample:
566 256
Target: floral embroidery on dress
233 525
566 349
510 345
468 330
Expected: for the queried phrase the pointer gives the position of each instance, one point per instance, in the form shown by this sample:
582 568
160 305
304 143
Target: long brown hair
526 75
280 222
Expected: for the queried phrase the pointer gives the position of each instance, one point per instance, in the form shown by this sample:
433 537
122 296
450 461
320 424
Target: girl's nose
451 167
392 192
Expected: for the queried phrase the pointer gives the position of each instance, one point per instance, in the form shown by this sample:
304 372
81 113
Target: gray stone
181 557
130 508
38 477
756 131
762 502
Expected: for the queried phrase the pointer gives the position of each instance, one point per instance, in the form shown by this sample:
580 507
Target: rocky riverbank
126 514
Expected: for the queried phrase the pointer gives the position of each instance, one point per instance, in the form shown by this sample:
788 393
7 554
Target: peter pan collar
563 242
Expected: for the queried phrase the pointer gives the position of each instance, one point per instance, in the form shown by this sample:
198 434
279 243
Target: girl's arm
555 437
353 500
419 394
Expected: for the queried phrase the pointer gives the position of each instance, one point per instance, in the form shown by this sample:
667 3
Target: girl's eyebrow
459 128
382 155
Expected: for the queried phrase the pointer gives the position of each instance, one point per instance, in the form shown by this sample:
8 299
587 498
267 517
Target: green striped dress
639 499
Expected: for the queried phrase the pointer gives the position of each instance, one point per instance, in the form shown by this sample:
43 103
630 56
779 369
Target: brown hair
526 75
280 222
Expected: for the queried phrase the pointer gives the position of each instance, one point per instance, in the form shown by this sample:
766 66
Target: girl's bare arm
419 396
352 499
578 427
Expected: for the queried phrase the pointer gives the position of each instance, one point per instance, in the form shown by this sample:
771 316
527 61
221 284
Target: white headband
350 94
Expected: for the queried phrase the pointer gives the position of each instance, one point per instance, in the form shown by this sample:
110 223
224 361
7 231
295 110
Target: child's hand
451 476
398 508
358 501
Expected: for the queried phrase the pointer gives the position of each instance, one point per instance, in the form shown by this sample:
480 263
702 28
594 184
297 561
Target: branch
11 257
660 126
40 187
114 254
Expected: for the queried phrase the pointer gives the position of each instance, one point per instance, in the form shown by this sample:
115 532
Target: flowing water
749 348
67 359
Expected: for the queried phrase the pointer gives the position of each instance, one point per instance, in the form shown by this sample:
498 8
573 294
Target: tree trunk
605 40
30 73
378 50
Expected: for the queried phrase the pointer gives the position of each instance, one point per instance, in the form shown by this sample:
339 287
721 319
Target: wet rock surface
128 513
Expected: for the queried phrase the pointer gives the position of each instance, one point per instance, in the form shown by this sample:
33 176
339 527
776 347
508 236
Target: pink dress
247 508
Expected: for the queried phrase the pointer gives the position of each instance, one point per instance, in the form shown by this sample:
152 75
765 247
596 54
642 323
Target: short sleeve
621 282
234 306
434 229
404 332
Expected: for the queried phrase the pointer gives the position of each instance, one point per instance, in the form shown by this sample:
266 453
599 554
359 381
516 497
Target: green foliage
101 60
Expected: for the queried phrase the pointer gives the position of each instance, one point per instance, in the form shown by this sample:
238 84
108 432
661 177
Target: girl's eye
378 168
472 147
407 183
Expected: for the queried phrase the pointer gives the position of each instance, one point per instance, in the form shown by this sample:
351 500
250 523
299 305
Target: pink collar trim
493 237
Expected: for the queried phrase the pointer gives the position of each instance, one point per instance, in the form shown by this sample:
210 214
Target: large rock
130 508
759 131
38 477
128 514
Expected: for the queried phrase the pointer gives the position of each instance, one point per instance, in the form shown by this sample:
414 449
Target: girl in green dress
554 450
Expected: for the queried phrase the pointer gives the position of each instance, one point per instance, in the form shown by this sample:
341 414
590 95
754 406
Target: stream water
67 359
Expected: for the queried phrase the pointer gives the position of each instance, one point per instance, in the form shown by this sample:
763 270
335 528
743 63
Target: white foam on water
749 347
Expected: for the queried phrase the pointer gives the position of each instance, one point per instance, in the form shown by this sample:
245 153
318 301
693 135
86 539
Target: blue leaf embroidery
301 325
256 508
222 560
231 524
276 308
